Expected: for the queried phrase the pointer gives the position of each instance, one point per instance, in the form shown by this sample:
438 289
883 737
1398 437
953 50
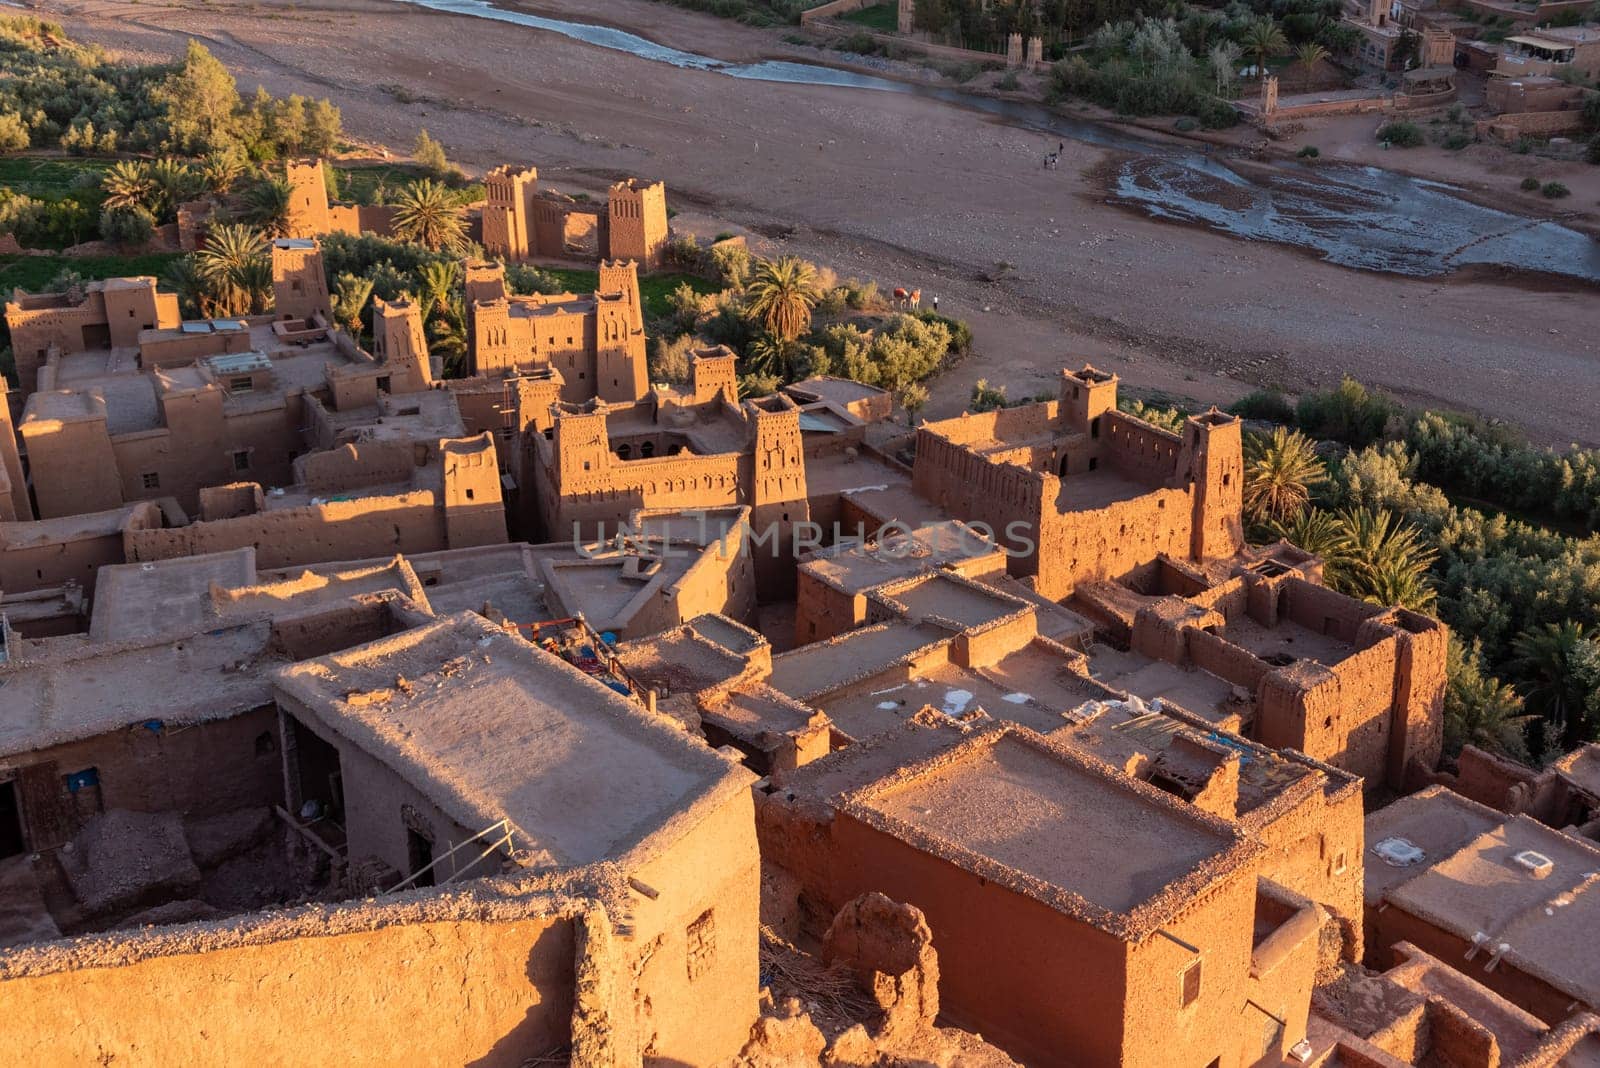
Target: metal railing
501 825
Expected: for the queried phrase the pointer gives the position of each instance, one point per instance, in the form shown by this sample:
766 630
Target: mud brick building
523 222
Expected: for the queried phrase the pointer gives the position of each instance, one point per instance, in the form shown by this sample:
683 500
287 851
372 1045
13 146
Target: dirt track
909 191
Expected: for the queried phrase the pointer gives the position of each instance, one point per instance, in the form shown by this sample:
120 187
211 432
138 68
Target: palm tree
1262 39
351 294
1316 530
128 185
220 170
438 280
196 296
236 264
1308 56
429 215
267 206
1279 473
781 295
1479 709
175 184
1547 658
1383 560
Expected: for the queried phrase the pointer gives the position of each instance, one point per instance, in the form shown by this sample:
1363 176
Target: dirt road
909 191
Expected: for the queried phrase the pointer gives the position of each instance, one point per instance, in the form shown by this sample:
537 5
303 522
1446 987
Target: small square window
150 480
241 459
1340 865
383 383
1190 985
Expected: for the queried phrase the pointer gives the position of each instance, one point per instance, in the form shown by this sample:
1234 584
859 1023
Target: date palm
1548 659
267 206
235 263
175 184
351 295
127 184
428 214
1308 56
1280 471
1316 530
1383 560
1262 38
780 296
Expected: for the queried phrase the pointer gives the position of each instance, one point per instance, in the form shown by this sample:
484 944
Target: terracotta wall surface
201 769
492 994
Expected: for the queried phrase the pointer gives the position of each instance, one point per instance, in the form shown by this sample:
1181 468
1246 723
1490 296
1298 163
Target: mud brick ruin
586 719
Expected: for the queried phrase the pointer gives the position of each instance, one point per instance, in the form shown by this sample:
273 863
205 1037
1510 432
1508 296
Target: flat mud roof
489 727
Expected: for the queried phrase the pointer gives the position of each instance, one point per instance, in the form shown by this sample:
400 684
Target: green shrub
127 226
1457 141
1349 414
1309 152
1402 134
1530 184
1554 191
1186 124
1008 81
1265 404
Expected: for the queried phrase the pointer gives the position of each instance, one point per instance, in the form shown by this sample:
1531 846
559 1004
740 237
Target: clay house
522 222
1421 1011
595 342
699 447
1555 52
99 317
311 213
1270 653
612 915
1504 899
1081 916
1075 489
1378 22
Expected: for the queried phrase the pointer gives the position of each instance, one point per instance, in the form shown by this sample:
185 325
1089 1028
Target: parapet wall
391 983
411 522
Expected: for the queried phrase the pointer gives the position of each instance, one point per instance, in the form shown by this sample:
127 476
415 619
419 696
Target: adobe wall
1112 541
379 805
694 944
721 580
1394 924
354 466
1030 979
1139 450
1511 126
1226 660
1319 609
1418 689
964 484
410 522
1315 847
33 557
1341 715
491 990
72 464
1158 1030
608 494
821 612
199 769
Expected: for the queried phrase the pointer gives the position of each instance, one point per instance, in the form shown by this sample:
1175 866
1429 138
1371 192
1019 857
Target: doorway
11 840
419 854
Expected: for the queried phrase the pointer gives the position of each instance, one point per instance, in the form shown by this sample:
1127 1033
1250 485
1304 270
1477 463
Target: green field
654 289
33 273
359 184
884 18
50 178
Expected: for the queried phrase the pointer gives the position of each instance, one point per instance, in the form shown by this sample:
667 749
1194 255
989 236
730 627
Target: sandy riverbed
909 191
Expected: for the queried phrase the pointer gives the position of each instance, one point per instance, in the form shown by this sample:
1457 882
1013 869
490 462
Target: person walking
935 305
